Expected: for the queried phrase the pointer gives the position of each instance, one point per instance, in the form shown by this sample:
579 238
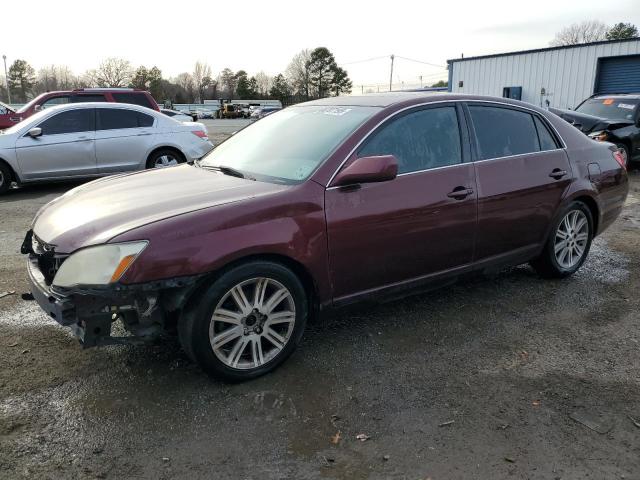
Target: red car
49 99
321 205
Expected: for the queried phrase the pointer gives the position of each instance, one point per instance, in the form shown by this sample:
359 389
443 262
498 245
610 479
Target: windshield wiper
227 171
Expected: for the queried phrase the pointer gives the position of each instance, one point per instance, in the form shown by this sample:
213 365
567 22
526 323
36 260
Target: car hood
97 211
588 123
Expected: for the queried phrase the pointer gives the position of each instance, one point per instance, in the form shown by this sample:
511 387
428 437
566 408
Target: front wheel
164 158
5 178
247 322
568 245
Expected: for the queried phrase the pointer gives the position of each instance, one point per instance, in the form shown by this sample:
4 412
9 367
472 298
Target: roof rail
100 89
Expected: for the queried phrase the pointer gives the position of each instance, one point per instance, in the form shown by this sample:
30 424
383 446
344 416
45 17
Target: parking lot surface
509 376
220 129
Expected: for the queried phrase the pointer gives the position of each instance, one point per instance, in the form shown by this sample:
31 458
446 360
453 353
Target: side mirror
37 108
368 170
35 132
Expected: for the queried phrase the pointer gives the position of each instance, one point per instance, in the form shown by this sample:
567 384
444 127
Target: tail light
619 157
200 133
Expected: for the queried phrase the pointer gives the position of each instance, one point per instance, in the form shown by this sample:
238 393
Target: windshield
28 105
290 144
609 108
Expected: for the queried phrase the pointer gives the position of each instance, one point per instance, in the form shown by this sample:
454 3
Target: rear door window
132 97
88 98
119 118
72 121
419 140
502 132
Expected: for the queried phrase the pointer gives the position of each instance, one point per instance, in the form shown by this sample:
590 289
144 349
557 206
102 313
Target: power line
420 61
366 60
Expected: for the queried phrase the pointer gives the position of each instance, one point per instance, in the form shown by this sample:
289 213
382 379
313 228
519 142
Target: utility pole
6 78
420 81
391 75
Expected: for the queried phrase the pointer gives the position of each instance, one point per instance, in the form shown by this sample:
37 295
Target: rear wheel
247 322
5 178
164 158
568 245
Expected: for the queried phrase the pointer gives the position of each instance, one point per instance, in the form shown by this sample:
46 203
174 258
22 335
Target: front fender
289 224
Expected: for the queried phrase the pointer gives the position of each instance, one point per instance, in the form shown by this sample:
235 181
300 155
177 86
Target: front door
413 227
65 148
522 174
123 139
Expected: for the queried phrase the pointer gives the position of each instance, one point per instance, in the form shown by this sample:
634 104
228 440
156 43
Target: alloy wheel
252 323
571 239
1 178
166 161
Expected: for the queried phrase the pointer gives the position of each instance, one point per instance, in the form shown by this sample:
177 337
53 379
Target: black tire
194 325
625 150
6 177
164 152
547 264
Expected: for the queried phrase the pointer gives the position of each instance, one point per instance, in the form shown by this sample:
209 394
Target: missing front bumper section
90 312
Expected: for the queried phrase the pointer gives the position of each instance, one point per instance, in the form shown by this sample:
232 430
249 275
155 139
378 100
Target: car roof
410 98
126 106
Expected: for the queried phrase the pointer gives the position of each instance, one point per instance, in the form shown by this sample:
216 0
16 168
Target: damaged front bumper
144 309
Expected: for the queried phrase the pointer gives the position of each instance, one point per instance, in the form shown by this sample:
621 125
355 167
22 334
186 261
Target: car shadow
34 191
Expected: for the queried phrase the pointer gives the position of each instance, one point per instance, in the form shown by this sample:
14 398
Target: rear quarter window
547 141
134 98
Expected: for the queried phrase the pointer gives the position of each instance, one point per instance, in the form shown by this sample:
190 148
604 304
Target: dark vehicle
79 95
321 205
609 118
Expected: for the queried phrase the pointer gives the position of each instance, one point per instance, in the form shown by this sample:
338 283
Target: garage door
619 75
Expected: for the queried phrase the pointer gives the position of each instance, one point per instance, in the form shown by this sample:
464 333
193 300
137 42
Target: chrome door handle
557 173
460 193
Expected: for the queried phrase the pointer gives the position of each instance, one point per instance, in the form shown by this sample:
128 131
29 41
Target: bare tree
112 72
185 81
55 77
263 83
201 79
297 72
584 32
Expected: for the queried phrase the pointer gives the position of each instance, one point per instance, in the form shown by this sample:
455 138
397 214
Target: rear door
65 149
123 139
420 224
522 173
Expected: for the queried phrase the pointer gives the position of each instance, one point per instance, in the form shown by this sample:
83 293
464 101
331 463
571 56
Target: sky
264 35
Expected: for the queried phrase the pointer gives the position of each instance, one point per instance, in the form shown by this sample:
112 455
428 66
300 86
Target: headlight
600 135
99 265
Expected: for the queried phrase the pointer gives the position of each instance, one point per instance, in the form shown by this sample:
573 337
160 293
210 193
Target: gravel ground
491 378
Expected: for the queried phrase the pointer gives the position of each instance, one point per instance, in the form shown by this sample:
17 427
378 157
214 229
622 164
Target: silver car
95 139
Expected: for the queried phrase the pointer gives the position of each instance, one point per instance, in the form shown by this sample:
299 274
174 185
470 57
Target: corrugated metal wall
567 75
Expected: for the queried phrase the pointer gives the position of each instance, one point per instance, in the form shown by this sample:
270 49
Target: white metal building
560 77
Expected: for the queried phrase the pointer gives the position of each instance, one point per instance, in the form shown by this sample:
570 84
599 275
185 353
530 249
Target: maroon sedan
320 205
